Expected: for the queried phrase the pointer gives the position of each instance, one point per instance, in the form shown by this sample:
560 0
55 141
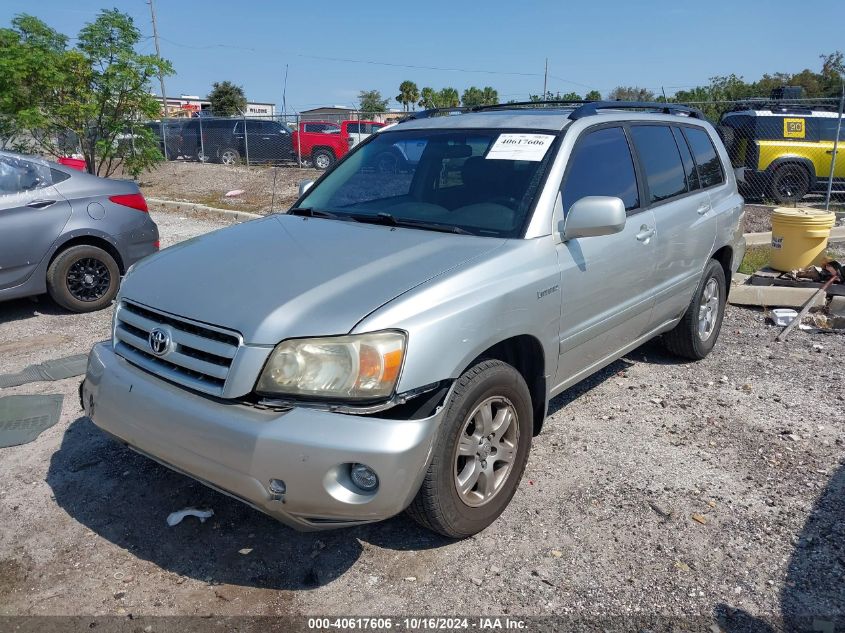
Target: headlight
357 367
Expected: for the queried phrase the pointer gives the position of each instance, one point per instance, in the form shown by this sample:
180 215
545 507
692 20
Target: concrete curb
201 209
837 233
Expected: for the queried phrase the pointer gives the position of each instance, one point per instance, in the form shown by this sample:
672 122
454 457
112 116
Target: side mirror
304 185
594 215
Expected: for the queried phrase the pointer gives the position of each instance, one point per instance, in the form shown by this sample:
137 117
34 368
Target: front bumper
238 449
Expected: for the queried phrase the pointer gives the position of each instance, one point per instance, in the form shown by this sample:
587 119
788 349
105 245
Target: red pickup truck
322 143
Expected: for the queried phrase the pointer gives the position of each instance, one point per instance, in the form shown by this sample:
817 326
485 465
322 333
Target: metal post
246 141
298 141
202 156
160 78
835 149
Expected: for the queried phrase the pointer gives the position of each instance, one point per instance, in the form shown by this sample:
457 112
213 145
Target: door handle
645 233
830 151
704 208
41 204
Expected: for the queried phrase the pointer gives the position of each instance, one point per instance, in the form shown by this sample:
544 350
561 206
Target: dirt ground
657 488
208 183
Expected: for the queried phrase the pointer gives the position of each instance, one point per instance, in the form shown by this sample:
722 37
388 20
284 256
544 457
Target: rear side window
686 158
661 161
601 165
709 165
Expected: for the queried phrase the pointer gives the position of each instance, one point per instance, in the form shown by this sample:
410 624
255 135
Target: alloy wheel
88 279
708 310
486 451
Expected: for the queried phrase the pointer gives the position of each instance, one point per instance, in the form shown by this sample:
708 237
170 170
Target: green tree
448 98
408 95
472 97
227 99
479 96
593 95
96 92
428 98
630 93
371 101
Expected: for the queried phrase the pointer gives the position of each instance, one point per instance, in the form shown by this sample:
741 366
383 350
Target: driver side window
601 165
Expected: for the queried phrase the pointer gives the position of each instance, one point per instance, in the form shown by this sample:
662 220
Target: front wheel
230 156
480 452
696 334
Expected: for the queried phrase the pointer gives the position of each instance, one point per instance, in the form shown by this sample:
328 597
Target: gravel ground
208 184
657 487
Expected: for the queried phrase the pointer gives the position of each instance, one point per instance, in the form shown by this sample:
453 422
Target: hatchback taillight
132 200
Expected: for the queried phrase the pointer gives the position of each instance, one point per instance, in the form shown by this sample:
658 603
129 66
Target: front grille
200 355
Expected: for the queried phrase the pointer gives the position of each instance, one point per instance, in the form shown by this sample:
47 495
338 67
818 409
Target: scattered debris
557 553
662 512
245 551
699 518
175 518
476 581
681 566
783 316
233 193
410 579
835 271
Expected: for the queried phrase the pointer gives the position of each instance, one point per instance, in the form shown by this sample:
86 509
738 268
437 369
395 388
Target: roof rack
431 112
592 108
528 104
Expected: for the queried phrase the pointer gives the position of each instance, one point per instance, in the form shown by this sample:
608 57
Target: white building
186 105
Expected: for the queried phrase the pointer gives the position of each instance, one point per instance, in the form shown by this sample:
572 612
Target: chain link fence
783 152
288 140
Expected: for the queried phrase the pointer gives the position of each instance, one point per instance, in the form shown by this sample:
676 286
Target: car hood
286 276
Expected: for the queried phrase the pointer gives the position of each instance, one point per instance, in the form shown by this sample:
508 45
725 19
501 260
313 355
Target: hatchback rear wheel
83 278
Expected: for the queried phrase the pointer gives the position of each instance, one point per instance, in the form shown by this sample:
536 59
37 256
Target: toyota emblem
159 341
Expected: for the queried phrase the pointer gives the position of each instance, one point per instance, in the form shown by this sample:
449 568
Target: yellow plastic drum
799 236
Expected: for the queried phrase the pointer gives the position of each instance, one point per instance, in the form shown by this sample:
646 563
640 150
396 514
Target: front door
606 281
32 215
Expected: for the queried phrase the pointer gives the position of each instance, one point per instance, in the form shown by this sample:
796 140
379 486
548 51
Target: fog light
277 489
363 476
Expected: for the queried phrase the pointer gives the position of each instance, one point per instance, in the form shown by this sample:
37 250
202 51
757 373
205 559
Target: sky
333 50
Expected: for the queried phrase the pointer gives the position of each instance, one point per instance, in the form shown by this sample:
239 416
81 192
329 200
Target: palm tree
428 98
408 94
448 98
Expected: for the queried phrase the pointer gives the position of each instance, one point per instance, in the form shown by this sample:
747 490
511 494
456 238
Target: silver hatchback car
393 340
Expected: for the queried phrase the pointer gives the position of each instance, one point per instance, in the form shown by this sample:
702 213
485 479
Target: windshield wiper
309 212
390 220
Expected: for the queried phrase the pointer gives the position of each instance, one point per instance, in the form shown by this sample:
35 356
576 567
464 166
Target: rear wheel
322 159
83 278
480 452
697 332
790 183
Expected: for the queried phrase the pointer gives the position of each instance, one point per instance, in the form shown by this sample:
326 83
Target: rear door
275 141
32 215
607 281
686 224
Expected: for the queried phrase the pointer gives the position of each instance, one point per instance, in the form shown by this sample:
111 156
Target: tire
439 506
789 184
83 278
322 159
695 335
230 156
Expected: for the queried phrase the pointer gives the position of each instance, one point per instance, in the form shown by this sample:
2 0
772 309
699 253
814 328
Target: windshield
476 181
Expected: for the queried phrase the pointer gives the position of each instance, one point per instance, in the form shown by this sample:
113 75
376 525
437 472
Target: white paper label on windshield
520 147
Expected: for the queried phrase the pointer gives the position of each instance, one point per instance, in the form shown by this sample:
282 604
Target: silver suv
393 340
